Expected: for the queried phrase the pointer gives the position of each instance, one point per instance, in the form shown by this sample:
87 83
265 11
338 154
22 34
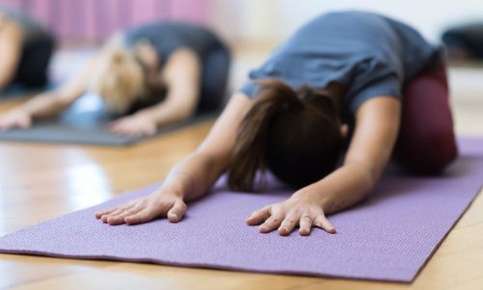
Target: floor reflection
87 185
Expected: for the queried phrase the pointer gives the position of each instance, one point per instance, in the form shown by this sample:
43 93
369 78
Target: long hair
118 79
294 134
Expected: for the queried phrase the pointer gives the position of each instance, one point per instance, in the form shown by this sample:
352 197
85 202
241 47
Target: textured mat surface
389 237
84 123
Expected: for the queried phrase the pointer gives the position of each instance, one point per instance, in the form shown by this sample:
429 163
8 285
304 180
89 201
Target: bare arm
377 125
46 104
181 74
192 177
203 167
10 48
52 103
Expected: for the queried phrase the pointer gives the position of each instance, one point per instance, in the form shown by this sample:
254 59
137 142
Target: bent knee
430 154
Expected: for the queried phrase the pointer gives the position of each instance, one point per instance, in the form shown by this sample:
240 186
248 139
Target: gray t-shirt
370 54
166 37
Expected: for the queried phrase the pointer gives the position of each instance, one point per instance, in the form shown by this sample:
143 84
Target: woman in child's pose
25 50
152 75
376 75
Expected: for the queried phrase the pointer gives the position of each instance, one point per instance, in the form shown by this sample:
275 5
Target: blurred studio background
253 28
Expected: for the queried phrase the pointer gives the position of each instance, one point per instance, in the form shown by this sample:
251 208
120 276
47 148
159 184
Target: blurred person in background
26 48
464 43
150 75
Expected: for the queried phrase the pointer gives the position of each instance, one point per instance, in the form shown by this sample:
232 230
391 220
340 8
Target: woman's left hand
298 211
134 126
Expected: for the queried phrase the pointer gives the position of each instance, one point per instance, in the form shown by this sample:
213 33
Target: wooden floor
38 182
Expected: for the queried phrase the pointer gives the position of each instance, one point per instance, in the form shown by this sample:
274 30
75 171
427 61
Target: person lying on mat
325 113
25 50
151 75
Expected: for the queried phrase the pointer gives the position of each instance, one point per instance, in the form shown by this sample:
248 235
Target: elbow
185 112
179 112
368 182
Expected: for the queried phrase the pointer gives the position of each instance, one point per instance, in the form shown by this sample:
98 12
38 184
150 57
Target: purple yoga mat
389 237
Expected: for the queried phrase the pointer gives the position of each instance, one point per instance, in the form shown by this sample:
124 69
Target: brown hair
294 134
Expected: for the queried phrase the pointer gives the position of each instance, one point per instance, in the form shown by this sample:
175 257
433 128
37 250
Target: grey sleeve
390 85
249 89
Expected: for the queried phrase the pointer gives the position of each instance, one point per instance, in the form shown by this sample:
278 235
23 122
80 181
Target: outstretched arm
181 75
49 103
54 102
192 177
377 124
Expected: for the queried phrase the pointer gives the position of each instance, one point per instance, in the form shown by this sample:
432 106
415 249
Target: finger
99 214
125 132
322 222
148 133
176 213
128 132
289 223
112 127
119 219
259 216
113 124
136 133
273 221
151 131
19 124
118 129
143 216
115 212
305 225
24 124
8 126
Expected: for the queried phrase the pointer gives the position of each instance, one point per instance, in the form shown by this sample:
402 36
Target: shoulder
10 31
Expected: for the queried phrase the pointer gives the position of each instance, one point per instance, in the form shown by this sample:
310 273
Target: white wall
275 19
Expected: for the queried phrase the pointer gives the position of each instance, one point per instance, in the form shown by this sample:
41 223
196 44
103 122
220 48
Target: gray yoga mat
84 123
389 237
17 91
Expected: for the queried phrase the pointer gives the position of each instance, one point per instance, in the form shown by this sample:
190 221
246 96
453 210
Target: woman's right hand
15 119
162 203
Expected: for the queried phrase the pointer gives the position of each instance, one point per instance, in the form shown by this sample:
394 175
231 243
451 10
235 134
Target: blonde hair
119 79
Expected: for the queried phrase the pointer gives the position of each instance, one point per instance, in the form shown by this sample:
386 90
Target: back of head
118 79
294 134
